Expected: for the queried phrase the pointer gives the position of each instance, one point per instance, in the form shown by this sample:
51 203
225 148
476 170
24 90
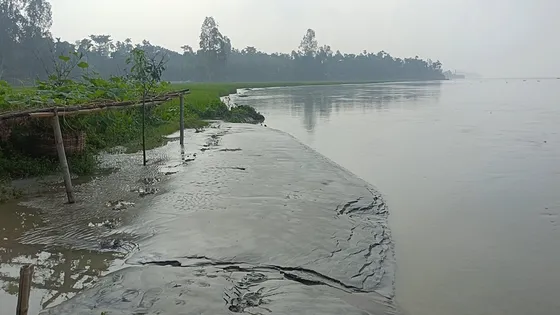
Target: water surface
243 219
471 173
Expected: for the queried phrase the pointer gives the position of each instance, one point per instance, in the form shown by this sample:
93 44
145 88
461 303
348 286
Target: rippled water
60 272
471 173
258 223
245 219
73 246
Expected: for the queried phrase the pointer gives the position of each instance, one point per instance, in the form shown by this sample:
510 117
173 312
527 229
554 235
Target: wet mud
72 246
245 219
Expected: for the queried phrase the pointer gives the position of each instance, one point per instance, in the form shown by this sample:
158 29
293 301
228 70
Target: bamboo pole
88 111
182 119
144 129
84 107
62 158
25 280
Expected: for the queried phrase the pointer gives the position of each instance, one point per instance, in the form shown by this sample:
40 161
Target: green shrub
245 114
107 129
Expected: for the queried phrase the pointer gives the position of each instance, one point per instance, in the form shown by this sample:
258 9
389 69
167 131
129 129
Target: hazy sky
491 37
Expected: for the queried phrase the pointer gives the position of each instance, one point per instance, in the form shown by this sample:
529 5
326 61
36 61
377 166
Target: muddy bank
254 222
73 246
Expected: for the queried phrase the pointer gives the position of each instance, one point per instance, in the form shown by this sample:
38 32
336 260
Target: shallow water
60 272
247 220
471 174
73 246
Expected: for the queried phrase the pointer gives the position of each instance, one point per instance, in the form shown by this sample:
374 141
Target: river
471 174
456 211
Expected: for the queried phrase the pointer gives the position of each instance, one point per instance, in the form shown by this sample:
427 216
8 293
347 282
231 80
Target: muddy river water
470 171
454 210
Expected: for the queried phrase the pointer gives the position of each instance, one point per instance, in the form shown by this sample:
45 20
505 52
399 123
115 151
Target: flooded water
244 219
471 174
60 272
73 246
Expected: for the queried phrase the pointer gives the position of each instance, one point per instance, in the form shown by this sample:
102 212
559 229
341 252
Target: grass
7 192
109 129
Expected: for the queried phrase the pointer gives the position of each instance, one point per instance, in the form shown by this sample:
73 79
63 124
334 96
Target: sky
494 38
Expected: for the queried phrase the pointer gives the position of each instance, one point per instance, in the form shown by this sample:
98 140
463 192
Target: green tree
309 44
187 50
102 44
249 50
146 73
214 48
24 25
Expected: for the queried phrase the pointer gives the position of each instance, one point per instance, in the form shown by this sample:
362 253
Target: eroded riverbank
255 221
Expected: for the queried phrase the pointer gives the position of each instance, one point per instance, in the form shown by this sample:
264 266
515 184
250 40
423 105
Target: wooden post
182 118
25 280
62 158
144 128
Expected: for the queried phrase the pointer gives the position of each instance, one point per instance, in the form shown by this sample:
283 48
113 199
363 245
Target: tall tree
102 44
215 48
24 26
309 43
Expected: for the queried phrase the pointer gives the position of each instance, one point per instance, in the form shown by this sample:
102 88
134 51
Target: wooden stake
182 118
25 280
144 128
62 158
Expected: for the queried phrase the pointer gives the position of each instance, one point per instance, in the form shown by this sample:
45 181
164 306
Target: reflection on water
59 273
73 245
318 102
471 175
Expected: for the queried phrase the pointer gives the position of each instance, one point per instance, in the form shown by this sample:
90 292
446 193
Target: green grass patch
108 129
112 128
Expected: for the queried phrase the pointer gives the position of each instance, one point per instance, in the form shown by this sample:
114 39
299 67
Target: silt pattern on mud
258 223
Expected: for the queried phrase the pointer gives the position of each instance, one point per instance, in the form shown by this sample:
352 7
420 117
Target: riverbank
121 128
106 130
249 214
72 246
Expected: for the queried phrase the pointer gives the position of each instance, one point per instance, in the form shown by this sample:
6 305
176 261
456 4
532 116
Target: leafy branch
146 74
146 70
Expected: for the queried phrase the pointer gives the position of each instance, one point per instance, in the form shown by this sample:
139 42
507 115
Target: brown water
60 272
471 172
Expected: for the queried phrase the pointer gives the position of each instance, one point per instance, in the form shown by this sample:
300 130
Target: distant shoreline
279 84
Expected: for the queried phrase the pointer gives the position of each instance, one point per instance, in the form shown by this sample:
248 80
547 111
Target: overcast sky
495 38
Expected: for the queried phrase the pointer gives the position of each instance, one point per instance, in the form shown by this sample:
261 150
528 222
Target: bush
245 114
111 128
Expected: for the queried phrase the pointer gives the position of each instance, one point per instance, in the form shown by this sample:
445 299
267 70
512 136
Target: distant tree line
27 52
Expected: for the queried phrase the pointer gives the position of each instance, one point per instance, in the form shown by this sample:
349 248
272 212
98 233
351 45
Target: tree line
28 51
